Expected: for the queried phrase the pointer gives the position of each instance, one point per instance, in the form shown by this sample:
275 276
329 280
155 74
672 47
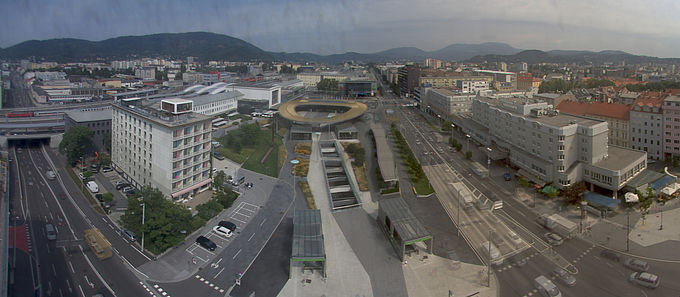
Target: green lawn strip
234 156
421 184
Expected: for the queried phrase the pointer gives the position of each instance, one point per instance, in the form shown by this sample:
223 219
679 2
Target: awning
495 154
662 182
531 177
601 200
670 189
632 197
189 189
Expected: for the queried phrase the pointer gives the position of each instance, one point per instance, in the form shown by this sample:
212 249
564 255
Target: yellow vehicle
98 243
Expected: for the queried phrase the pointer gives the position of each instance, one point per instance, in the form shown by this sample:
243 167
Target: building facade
553 147
270 93
162 144
446 102
617 115
216 104
671 124
646 125
97 120
409 79
310 79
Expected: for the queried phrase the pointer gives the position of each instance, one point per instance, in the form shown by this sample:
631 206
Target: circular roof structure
305 111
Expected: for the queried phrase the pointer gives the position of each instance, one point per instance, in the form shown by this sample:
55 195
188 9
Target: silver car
553 239
636 265
645 279
564 277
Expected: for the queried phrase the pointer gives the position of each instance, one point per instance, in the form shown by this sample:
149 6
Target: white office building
162 144
264 91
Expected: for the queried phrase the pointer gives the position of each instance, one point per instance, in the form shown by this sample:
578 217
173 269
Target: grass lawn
360 173
251 156
234 156
422 186
308 194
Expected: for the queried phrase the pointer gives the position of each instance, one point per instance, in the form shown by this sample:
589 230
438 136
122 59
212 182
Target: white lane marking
234 257
264 220
89 283
71 264
54 270
81 291
95 271
68 283
218 273
251 237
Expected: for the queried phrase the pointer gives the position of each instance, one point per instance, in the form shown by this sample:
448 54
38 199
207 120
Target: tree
359 156
106 141
573 192
209 209
104 159
107 197
218 180
446 126
327 84
468 155
74 142
87 174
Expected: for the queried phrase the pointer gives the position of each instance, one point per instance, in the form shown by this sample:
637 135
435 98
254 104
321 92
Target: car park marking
207 282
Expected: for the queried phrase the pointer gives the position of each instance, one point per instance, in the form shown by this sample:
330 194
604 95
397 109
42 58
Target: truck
464 195
98 243
558 224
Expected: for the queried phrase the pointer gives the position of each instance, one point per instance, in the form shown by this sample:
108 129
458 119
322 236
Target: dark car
120 186
99 197
229 225
127 234
506 176
130 192
611 255
206 243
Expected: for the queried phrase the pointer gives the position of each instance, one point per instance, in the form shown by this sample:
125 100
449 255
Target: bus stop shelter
308 246
402 228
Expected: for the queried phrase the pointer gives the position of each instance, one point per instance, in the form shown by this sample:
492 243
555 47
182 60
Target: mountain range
211 46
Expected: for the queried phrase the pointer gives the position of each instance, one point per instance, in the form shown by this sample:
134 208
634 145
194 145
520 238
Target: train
28 114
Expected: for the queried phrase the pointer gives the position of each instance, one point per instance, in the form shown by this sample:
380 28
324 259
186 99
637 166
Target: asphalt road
65 266
18 96
595 276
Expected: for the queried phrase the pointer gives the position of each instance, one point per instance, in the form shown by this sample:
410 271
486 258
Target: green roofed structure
402 228
308 247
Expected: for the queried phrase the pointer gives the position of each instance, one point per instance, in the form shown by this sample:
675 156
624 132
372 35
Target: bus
219 124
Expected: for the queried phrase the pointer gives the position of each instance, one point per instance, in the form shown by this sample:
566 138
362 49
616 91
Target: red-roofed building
646 124
616 115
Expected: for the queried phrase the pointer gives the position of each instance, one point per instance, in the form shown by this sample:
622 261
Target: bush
210 209
107 197
468 155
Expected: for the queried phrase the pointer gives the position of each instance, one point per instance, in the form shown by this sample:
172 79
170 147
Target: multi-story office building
162 144
552 147
266 92
472 86
310 79
446 102
502 80
215 104
455 81
617 115
646 125
97 120
409 79
526 82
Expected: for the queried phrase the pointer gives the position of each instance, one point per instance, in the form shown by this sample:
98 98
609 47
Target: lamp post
661 206
82 173
294 162
452 128
143 213
628 229
468 142
488 263
488 161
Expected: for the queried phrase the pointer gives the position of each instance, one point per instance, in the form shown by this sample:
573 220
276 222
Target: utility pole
628 230
143 212
488 266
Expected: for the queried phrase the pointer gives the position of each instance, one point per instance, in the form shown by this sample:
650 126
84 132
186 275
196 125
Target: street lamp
628 229
661 206
488 160
488 263
294 162
468 142
452 128
143 212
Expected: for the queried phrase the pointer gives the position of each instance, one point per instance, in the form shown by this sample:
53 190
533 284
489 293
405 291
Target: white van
490 250
93 187
50 231
546 287
50 174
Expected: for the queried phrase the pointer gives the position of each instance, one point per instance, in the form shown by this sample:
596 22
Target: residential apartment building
646 125
617 115
146 73
446 102
502 81
162 144
526 82
553 147
409 79
671 124
454 81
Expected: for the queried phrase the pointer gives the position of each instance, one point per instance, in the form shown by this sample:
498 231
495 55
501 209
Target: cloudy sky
336 26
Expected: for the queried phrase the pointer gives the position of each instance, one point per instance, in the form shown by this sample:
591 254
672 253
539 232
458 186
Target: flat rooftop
563 120
307 235
619 158
150 109
385 155
405 223
89 116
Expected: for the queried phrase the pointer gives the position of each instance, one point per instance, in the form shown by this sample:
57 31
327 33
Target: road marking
89 282
81 290
71 264
51 217
218 261
643 293
48 249
54 270
49 285
96 272
60 293
264 220
68 283
218 273
234 257
251 237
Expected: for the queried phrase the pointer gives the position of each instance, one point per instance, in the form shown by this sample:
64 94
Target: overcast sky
333 26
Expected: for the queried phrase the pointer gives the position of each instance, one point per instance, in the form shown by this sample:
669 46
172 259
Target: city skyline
352 26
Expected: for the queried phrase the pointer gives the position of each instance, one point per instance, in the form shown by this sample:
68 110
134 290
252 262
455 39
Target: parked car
564 277
222 231
126 188
219 157
206 243
82 177
50 231
636 265
506 176
553 239
95 170
227 224
130 192
121 185
107 169
99 197
611 255
645 279
93 187
127 234
546 287
50 174
94 166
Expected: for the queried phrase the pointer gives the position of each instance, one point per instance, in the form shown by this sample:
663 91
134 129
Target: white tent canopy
632 197
670 189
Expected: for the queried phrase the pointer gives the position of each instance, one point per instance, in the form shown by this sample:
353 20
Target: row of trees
654 86
327 84
414 168
560 85
77 142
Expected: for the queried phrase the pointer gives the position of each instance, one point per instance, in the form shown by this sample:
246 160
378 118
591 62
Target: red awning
189 189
